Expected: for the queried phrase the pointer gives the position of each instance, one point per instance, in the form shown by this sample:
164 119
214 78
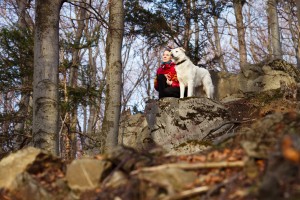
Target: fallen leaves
288 149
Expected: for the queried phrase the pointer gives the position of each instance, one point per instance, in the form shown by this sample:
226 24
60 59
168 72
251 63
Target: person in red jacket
166 82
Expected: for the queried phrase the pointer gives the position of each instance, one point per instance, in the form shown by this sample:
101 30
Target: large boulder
255 78
179 126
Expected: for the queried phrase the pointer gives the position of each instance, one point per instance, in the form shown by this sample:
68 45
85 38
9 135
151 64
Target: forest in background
221 35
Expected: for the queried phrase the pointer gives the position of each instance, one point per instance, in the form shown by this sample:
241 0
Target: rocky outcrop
179 126
255 78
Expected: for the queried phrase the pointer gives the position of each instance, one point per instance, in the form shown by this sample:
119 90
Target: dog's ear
182 49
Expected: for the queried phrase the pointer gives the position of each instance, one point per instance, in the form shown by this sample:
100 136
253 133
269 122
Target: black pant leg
162 85
172 92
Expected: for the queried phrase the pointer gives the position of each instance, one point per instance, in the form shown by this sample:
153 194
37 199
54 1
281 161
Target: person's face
166 56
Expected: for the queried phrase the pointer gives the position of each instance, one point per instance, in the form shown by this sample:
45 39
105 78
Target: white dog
190 75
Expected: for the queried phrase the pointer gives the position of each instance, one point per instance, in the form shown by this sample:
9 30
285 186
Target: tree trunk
219 52
45 84
187 26
24 19
252 47
298 41
298 10
110 127
26 82
74 78
238 8
93 70
197 31
274 29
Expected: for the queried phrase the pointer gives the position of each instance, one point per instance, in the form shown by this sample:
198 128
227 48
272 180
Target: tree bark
92 106
197 31
110 126
238 8
298 10
26 82
45 84
74 78
219 52
187 26
274 29
298 41
24 19
252 47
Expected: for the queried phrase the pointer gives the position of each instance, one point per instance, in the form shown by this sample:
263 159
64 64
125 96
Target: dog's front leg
182 88
190 88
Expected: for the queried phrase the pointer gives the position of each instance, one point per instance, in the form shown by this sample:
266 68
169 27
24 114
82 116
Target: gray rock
255 78
176 125
180 125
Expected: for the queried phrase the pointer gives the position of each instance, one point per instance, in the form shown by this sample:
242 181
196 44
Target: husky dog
190 75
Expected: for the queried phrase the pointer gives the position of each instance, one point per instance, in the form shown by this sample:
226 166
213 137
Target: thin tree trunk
197 31
45 85
92 116
238 8
25 94
252 43
219 52
24 19
294 33
74 78
110 127
298 41
187 26
274 29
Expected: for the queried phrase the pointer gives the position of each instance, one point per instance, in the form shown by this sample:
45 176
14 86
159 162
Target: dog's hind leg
209 92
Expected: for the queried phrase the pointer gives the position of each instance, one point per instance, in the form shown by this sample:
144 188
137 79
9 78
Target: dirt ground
257 159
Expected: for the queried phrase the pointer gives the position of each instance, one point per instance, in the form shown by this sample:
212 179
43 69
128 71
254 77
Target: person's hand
168 76
169 82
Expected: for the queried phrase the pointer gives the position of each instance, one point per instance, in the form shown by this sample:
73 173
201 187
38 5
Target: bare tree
273 26
76 60
297 42
187 26
238 8
24 22
298 10
110 127
24 19
45 85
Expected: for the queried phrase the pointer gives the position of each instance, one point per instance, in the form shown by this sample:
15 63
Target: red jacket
167 68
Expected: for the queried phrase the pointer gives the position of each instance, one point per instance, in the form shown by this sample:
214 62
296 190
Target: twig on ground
190 166
187 193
